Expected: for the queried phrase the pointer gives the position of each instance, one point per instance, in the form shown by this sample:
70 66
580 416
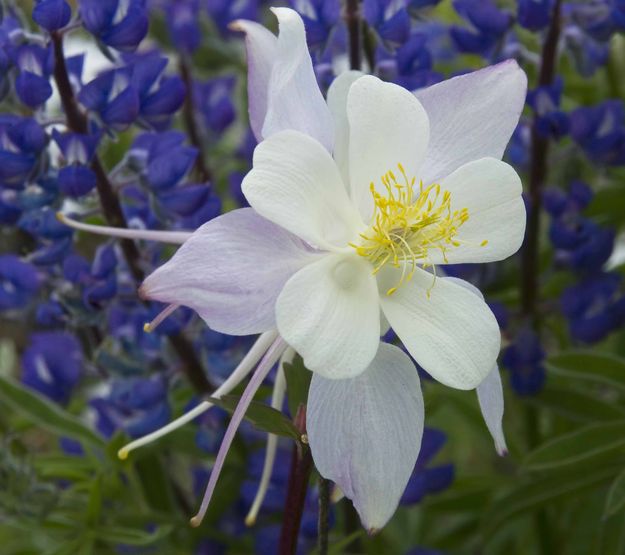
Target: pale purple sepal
472 116
490 396
365 432
231 271
262 47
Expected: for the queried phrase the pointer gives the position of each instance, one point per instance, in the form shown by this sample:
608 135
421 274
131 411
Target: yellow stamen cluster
407 224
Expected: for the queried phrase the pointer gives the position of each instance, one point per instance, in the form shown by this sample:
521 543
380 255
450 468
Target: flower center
408 222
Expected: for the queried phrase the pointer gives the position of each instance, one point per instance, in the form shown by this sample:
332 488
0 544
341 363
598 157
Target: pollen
408 223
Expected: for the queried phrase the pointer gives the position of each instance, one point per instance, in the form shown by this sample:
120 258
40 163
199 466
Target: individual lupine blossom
355 204
52 364
120 24
551 122
489 26
600 132
524 359
76 178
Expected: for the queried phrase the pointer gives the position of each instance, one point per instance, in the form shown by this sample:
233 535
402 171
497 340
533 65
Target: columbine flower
355 203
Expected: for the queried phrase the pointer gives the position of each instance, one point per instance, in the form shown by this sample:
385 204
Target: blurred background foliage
79 377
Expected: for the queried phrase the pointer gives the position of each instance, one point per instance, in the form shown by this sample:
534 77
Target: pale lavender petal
231 272
365 432
294 100
270 358
262 48
490 396
471 116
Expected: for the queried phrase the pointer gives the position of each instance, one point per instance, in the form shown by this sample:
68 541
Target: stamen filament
277 398
149 327
241 371
265 365
172 237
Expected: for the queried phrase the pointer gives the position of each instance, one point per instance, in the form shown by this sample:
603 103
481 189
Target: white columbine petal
294 100
337 102
230 271
296 184
365 432
491 192
452 333
490 397
387 126
329 313
471 116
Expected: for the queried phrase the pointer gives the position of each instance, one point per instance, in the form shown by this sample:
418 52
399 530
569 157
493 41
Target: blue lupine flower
159 95
19 281
489 26
21 143
50 314
600 131
113 96
320 18
76 179
137 406
389 19
102 284
120 24
43 223
52 364
224 12
545 101
587 53
524 359
426 481
213 99
599 18
51 252
594 307
52 14
534 14
35 64
162 159
411 64
582 244
183 24
191 205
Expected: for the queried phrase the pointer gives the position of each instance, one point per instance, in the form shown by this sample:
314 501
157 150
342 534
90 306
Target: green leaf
297 383
131 536
615 500
576 405
589 366
527 496
578 447
263 417
45 413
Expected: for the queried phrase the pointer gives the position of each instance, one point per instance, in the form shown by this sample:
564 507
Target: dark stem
188 112
539 152
324 515
112 210
301 467
354 31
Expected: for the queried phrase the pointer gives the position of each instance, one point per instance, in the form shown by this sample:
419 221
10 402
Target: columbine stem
324 515
301 466
539 152
354 30
112 210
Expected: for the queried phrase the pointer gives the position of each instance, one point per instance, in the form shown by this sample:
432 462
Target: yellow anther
407 224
